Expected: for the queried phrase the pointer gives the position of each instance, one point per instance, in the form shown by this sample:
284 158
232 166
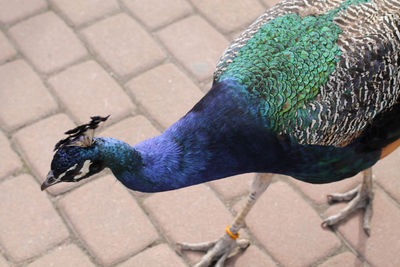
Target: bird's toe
343 197
217 252
359 199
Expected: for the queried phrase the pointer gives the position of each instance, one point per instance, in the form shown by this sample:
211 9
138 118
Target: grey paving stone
160 89
48 42
387 174
6 49
195 44
87 90
156 13
346 259
158 256
123 44
3 262
224 13
108 220
10 11
10 161
81 12
30 225
253 257
23 96
233 186
65 256
289 228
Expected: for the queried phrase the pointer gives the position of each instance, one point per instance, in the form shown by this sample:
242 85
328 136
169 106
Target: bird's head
76 156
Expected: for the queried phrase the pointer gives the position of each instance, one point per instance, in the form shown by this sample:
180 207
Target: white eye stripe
71 168
85 169
64 173
82 171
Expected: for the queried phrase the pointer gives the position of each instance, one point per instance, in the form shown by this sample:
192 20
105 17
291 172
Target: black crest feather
80 131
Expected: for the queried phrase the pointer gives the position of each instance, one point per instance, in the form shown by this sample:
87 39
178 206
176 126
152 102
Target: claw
359 199
217 251
324 224
367 217
228 245
203 247
340 197
221 261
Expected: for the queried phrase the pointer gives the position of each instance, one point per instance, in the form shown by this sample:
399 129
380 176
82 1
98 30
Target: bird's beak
50 180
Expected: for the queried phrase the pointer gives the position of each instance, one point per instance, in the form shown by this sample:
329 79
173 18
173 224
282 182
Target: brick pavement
147 62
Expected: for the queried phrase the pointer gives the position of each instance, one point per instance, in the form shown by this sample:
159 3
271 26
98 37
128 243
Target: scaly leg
227 246
359 197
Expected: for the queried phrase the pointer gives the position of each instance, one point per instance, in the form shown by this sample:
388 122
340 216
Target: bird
309 90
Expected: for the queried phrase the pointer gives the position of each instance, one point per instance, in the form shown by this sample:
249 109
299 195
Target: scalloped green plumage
287 61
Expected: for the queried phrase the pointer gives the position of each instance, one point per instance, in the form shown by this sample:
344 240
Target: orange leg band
233 236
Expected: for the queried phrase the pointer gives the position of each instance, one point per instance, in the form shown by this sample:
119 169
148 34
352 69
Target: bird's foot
217 251
358 198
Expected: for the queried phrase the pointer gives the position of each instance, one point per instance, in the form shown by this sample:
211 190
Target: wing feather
366 79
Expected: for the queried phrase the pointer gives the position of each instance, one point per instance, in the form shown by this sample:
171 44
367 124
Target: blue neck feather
222 136
208 143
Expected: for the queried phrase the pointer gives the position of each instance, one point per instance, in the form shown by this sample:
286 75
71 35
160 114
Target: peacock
310 90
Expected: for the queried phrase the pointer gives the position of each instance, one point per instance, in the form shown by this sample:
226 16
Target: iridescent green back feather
300 61
292 56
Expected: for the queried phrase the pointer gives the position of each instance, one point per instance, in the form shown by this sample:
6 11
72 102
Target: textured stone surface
6 49
80 12
36 143
286 225
131 130
87 90
387 174
222 12
65 256
11 11
47 42
3 262
195 44
158 256
346 259
9 162
156 13
200 210
123 44
234 186
160 89
28 222
108 220
253 257
23 95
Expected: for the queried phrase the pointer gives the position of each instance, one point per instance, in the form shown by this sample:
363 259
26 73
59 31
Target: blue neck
222 136
208 143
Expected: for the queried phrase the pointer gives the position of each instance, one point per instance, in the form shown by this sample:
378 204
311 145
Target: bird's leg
227 246
359 197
